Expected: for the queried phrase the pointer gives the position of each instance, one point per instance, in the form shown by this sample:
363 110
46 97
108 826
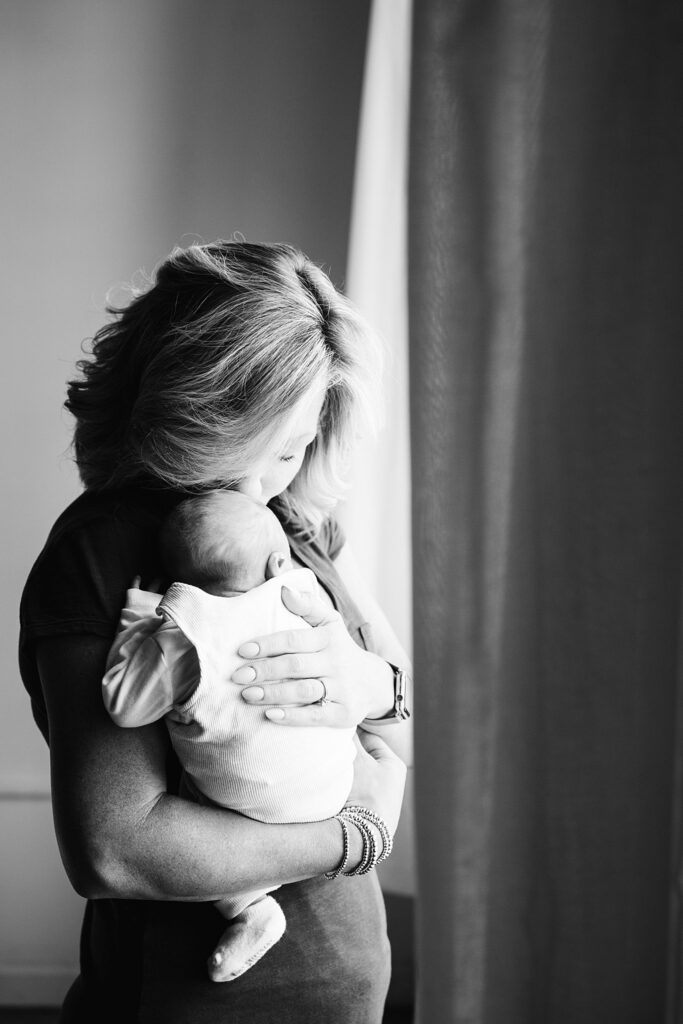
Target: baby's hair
218 540
190 380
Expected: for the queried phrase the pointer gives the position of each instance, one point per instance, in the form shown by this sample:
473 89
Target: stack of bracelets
363 819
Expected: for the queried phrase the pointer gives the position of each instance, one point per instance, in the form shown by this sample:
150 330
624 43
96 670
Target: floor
24 1015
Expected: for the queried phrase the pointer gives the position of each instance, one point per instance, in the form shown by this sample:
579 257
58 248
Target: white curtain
377 515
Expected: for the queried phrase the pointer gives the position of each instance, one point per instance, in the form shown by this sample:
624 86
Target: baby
173 658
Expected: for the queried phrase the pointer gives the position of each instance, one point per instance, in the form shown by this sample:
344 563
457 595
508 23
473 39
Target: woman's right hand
379 779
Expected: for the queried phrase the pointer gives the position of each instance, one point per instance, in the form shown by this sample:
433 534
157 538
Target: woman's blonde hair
188 381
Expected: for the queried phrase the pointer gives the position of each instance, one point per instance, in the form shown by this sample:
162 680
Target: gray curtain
546 316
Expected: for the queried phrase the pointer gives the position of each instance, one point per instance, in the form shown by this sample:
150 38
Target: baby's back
231 752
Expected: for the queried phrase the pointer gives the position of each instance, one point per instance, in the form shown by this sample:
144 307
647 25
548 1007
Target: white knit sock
246 939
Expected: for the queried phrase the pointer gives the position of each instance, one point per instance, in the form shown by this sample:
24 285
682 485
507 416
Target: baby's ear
278 562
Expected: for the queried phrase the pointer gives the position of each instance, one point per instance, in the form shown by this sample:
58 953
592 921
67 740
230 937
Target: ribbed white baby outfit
231 752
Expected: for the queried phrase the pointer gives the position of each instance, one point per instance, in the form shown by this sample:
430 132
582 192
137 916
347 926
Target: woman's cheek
277 482
285 477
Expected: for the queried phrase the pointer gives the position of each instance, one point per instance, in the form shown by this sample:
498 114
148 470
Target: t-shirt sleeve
78 584
332 537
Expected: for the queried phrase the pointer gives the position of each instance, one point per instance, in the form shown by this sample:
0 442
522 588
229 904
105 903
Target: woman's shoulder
108 511
78 582
91 554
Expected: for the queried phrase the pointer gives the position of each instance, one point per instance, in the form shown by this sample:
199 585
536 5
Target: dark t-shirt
143 960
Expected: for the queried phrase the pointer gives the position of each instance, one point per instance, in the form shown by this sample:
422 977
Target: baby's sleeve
150 667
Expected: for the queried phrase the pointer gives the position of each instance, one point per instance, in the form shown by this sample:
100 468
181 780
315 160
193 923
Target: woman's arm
122 835
387 644
387 647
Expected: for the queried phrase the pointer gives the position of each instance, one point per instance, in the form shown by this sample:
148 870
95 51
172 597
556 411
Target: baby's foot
246 939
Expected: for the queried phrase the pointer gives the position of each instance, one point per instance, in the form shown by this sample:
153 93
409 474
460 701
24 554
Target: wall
130 127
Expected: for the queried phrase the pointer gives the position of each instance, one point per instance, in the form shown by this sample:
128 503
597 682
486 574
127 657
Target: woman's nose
251 486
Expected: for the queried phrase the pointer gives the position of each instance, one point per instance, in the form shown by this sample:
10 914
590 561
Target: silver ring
323 700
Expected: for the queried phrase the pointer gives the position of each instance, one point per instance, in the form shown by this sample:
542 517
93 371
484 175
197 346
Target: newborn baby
173 658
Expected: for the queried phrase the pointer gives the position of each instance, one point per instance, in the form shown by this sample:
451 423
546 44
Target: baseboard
34 986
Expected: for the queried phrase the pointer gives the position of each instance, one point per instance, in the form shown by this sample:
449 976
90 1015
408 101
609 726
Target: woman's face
281 460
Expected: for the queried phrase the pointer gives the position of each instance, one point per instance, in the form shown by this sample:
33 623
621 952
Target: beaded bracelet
345 853
363 819
370 855
380 825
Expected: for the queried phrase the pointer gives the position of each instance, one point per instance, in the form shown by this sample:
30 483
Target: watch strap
401 709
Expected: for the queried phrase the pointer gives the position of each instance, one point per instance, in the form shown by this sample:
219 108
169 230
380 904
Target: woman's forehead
302 419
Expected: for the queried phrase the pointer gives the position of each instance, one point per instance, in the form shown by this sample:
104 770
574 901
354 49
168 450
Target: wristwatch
401 709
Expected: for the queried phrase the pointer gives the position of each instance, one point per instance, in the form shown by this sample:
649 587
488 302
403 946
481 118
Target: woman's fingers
379 778
310 607
284 671
286 666
292 691
290 641
328 714
375 746
152 587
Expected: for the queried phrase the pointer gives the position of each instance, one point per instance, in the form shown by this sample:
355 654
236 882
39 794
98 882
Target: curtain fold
546 367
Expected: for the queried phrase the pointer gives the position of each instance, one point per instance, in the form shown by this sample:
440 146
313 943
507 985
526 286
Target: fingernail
249 650
253 693
275 714
245 674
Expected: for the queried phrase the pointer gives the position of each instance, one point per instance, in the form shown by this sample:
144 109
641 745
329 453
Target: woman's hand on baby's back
310 676
153 586
379 779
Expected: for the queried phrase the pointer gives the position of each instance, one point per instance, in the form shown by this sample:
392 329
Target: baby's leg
253 929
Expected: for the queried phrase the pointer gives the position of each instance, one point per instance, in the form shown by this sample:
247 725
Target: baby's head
223 542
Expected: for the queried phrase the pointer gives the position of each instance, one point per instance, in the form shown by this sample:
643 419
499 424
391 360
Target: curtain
376 515
546 373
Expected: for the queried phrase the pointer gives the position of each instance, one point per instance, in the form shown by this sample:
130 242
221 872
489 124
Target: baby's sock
248 936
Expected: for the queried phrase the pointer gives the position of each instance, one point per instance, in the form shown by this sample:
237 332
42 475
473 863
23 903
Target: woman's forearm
397 735
379 682
183 851
387 651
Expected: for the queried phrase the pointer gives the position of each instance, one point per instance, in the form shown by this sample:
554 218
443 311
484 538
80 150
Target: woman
240 367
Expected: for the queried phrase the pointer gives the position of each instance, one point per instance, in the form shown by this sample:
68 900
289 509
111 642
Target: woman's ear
278 562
